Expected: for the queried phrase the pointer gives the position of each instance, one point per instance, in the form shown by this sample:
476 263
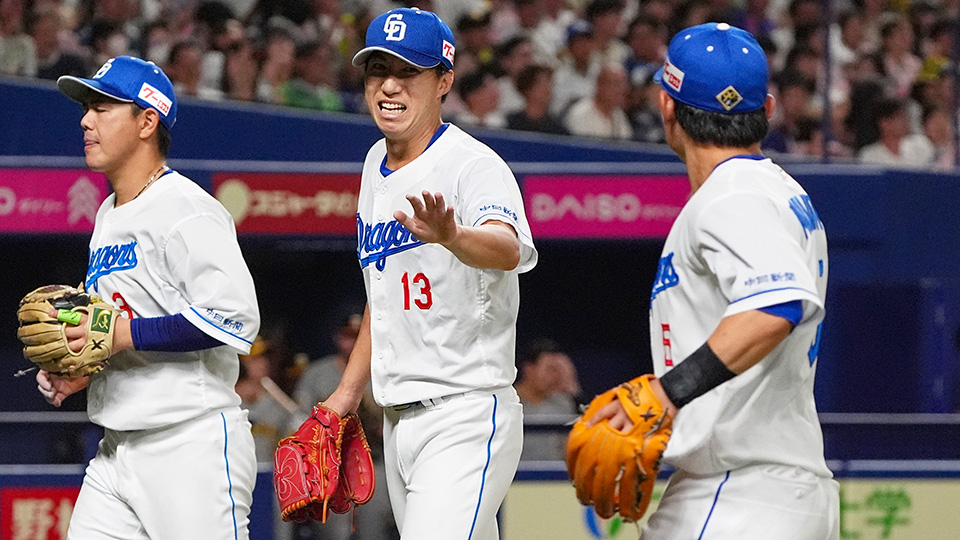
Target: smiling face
111 132
403 99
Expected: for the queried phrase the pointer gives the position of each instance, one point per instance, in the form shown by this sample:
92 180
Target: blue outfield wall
891 333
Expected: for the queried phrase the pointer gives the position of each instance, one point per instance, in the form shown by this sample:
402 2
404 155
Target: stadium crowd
578 67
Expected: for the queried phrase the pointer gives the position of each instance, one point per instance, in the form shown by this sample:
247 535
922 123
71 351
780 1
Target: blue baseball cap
129 80
414 35
716 67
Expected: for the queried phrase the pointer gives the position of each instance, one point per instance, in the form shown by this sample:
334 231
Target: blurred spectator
52 62
108 41
512 56
606 18
648 44
896 60
277 67
474 41
481 96
548 388
846 37
859 120
644 111
18 56
157 42
794 104
753 18
897 147
374 520
577 75
185 67
937 128
550 36
269 413
602 115
536 85
240 71
314 82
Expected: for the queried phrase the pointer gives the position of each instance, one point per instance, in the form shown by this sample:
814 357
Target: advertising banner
870 509
280 203
603 206
36 513
50 200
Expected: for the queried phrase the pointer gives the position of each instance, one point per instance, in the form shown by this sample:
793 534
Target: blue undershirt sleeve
791 311
171 333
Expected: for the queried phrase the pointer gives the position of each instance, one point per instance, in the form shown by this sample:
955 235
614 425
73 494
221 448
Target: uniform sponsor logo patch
666 276
672 75
448 50
156 98
729 98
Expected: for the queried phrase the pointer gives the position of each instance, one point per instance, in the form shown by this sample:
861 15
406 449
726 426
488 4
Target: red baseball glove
307 466
357 480
325 465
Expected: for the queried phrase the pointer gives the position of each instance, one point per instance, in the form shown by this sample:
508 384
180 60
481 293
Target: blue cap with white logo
414 35
129 80
716 67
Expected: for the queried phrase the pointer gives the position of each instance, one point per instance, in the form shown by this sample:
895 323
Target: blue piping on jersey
436 135
754 157
218 328
226 460
494 216
713 506
483 480
773 290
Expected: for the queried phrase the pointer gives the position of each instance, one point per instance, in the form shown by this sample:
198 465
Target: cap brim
85 90
360 58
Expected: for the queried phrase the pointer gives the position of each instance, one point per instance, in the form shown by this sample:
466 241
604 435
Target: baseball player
177 457
442 237
736 311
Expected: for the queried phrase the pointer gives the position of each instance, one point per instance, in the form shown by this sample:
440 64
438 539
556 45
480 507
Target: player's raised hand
55 388
432 220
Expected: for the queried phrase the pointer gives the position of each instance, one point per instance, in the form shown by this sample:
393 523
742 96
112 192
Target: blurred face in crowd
45 29
520 57
541 91
403 99
486 99
937 127
612 87
607 25
187 66
581 48
896 126
317 67
794 100
545 374
852 32
900 39
647 43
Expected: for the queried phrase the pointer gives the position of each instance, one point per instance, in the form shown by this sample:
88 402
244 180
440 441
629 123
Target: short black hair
528 76
471 82
739 130
537 348
163 134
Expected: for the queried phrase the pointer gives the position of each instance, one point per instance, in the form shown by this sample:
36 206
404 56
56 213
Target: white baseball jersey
438 326
171 250
748 238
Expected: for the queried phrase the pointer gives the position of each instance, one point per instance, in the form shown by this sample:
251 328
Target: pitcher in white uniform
442 237
177 457
736 311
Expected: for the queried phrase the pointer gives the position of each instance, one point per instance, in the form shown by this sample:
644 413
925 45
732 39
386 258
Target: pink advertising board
50 200
603 206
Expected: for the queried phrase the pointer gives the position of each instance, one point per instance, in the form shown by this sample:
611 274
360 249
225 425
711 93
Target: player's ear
667 106
148 121
446 83
769 105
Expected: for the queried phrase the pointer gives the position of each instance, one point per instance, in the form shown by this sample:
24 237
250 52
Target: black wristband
699 373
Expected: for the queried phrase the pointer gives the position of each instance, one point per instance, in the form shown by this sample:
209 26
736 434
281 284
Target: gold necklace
150 181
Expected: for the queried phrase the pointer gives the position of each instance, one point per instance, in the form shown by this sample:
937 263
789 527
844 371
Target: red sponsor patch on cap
448 50
672 75
156 98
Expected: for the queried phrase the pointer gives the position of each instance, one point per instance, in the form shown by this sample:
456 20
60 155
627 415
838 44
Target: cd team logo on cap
716 67
128 80
413 35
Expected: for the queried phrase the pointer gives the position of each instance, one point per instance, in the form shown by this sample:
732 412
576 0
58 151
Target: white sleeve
489 191
758 263
207 267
